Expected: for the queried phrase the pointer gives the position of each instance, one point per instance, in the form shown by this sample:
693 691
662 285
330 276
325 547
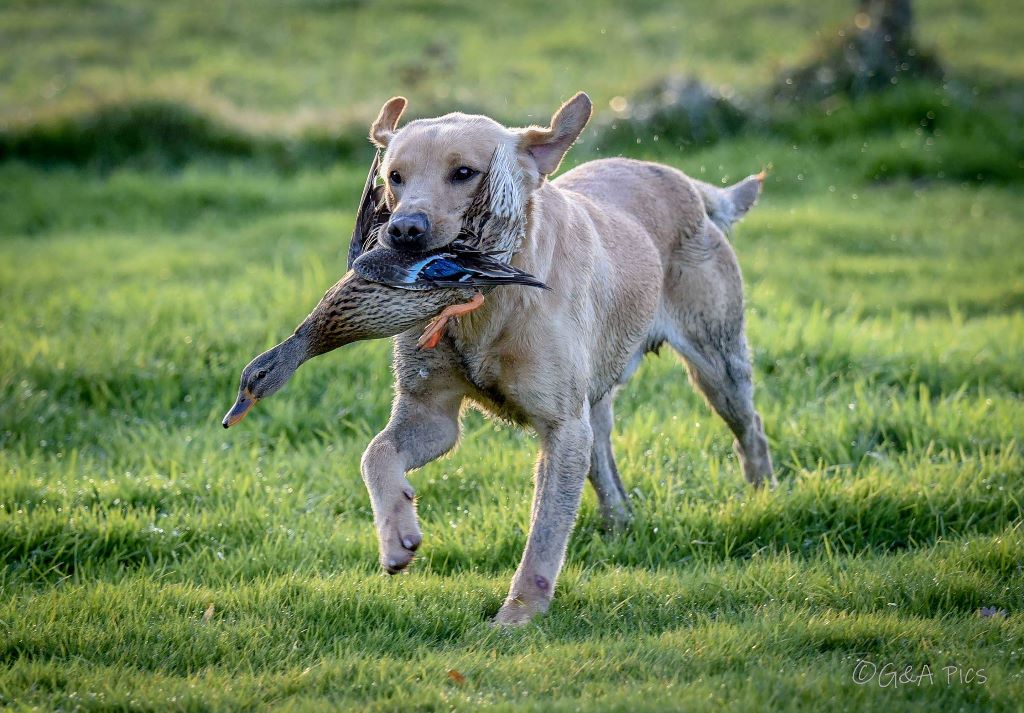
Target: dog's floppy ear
383 128
547 146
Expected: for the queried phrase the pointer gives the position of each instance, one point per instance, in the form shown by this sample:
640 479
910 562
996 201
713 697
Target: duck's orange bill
238 411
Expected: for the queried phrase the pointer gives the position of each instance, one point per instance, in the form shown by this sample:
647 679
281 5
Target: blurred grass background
177 184
331 63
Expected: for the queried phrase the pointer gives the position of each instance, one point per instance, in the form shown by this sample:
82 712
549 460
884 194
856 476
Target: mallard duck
353 309
386 292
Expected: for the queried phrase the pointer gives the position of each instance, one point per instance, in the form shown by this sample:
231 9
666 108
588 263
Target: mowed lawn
150 560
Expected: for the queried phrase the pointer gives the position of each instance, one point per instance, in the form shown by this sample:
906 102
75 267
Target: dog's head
433 168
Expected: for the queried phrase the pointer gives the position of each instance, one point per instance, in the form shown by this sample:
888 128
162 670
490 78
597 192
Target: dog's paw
399 534
518 611
615 520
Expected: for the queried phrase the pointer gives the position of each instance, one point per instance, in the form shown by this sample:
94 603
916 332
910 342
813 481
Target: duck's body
353 309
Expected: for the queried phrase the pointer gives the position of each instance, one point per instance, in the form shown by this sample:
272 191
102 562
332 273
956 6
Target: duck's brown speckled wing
373 214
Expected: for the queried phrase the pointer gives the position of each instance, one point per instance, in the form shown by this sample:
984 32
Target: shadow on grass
867 514
879 600
166 135
981 138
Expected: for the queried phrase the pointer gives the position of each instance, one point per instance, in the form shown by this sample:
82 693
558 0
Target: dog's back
671 206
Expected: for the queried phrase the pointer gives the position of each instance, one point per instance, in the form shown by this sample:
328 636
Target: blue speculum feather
442 268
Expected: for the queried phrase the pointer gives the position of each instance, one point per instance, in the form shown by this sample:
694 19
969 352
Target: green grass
886 313
887 353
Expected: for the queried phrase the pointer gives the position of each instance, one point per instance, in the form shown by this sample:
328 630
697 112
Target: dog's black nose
409 230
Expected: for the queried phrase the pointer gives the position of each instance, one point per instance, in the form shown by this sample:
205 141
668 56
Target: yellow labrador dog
635 255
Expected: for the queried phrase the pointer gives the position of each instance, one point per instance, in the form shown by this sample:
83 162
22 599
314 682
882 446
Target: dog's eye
262 373
395 177
463 173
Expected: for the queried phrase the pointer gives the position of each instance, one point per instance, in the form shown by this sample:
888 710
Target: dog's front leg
421 429
561 472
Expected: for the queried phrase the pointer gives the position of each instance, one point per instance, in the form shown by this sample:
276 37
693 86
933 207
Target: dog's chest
492 376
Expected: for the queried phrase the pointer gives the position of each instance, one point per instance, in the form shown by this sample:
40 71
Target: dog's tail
725 206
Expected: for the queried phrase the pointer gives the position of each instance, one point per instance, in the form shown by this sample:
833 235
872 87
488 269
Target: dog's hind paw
616 519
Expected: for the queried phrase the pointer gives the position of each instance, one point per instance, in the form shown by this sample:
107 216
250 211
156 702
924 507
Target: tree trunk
872 53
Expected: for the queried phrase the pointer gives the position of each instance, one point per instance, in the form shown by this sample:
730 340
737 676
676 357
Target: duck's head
264 376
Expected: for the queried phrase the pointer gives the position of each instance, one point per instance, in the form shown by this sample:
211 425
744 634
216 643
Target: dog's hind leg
720 368
702 318
718 362
604 476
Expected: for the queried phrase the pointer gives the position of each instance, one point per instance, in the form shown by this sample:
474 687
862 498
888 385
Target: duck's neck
296 349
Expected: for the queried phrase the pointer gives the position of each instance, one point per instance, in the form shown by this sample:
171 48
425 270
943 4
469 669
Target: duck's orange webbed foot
432 334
